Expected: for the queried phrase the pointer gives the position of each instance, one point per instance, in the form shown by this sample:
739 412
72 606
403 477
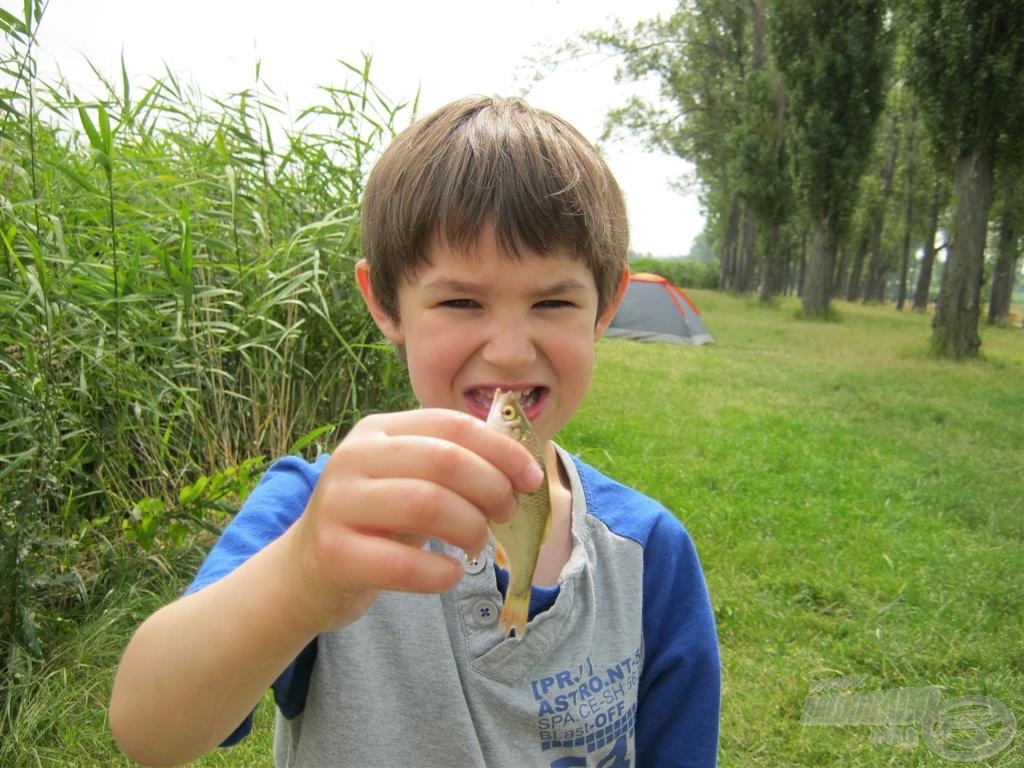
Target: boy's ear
391 328
609 312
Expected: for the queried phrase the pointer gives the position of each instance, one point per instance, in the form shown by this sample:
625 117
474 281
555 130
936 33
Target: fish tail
515 613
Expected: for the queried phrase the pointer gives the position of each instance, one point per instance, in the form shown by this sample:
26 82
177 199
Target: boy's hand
395 481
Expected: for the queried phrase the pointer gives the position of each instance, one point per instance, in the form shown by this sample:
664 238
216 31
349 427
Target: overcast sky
446 49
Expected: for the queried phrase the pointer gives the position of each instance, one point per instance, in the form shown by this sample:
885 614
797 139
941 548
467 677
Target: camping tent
656 309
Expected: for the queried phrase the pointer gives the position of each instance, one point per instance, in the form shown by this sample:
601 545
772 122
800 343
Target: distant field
858 508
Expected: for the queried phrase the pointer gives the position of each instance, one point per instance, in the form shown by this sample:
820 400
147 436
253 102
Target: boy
495 245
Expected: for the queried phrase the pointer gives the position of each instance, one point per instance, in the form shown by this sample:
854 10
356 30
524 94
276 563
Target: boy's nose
509 346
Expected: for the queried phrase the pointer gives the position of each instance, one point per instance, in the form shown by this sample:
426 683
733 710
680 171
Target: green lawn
858 507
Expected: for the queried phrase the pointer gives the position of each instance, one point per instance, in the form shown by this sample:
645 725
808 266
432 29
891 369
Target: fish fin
515 613
500 555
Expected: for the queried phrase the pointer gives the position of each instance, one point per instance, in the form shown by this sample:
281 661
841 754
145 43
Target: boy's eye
459 304
553 304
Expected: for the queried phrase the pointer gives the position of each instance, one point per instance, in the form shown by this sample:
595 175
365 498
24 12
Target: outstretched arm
197 667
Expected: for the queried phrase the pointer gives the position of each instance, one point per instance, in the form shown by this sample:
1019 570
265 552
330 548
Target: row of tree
834 139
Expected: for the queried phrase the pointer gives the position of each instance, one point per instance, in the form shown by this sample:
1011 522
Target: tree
877 262
922 292
697 55
1011 223
890 222
968 71
763 161
833 56
908 218
722 107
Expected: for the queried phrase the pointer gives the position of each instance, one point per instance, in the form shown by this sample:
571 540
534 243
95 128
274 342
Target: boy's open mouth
480 399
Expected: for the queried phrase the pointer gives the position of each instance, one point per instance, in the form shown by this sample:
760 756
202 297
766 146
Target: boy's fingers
422 509
449 465
390 565
513 459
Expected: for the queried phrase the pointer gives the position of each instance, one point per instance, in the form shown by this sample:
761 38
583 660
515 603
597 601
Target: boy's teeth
528 396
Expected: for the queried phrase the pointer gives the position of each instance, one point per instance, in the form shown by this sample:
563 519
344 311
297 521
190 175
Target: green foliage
205 504
700 56
834 57
177 301
758 144
967 66
775 104
686 273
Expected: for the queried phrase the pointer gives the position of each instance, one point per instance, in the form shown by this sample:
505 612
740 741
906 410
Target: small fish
520 539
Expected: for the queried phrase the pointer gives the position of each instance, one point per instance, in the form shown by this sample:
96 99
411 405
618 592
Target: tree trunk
853 286
801 271
792 250
817 291
874 288
1005 273
955 327
771 275
786 265
908 221
924 277
841 280
876 264
901 292
727 270
747 256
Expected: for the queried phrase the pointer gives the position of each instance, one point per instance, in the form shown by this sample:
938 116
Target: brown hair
484 161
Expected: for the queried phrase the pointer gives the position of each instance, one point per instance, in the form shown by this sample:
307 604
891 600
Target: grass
62 717
857 506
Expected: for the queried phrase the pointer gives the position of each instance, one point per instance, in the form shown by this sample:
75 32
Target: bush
686 273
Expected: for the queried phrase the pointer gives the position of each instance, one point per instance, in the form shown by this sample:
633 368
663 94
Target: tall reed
176 303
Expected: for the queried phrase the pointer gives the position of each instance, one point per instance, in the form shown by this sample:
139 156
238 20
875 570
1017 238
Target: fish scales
519 540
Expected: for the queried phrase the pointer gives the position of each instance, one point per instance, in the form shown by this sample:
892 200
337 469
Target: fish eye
508 412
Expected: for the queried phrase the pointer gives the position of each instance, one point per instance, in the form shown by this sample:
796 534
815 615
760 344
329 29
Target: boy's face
475 321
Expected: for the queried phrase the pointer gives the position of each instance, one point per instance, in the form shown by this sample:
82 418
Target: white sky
444 48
